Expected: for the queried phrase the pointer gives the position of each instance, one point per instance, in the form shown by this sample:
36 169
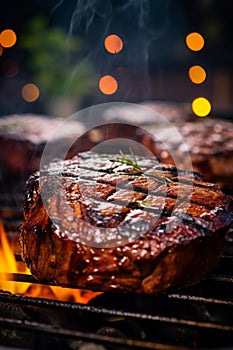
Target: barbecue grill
196 317
199 317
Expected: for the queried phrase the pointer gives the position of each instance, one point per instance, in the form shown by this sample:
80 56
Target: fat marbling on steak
144 227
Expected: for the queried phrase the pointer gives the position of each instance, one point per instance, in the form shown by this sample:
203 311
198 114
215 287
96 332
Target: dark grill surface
199 317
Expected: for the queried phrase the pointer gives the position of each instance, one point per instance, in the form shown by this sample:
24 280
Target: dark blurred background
59 49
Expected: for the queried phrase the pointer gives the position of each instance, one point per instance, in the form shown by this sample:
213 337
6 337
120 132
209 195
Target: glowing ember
9 266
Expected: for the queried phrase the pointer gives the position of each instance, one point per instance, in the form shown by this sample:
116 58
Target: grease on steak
91 237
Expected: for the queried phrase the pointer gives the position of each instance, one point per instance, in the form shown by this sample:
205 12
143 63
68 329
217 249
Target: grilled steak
23 138
117 223
210 146
174 112
137 114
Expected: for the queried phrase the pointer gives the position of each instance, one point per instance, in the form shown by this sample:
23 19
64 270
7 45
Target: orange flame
9 266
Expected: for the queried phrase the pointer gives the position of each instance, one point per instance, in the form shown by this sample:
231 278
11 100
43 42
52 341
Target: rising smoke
137 22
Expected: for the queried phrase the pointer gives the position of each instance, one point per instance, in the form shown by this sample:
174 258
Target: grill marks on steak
101 193
159 241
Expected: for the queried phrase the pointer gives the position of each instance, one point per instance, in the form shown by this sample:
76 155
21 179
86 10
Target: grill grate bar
221 278
35 327
226 257
18 257
230 239
22 277
202 300
26 278
12 298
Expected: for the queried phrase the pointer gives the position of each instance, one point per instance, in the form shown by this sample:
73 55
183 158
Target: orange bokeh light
113 43
10 68
108 85
8 38
1 50
30 92
195 41
197 74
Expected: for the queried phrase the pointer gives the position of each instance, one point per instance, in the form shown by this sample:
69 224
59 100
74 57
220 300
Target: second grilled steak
95 222
210 147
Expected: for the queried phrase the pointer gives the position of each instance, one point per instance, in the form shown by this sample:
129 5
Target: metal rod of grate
88 312
54 304
21 277
93 337
17 277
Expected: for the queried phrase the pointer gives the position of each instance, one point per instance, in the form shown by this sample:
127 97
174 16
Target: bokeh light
1 50
30 92
108 85
195 41
113 43
197 74
8 38
201 106
10 68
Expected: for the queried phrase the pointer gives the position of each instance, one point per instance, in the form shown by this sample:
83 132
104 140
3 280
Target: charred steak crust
179 246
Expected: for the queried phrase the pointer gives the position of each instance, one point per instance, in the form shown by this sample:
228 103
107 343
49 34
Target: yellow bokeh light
30 92
197 74
113 43
108 85
201 106
8 38
195 41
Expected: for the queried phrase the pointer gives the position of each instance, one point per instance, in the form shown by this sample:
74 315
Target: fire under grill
200 316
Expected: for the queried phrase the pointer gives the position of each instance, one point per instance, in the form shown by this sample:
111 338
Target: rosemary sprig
146 204
159 177
137 169
122 158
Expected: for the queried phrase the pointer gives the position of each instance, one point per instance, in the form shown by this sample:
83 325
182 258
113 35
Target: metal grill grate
199 317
